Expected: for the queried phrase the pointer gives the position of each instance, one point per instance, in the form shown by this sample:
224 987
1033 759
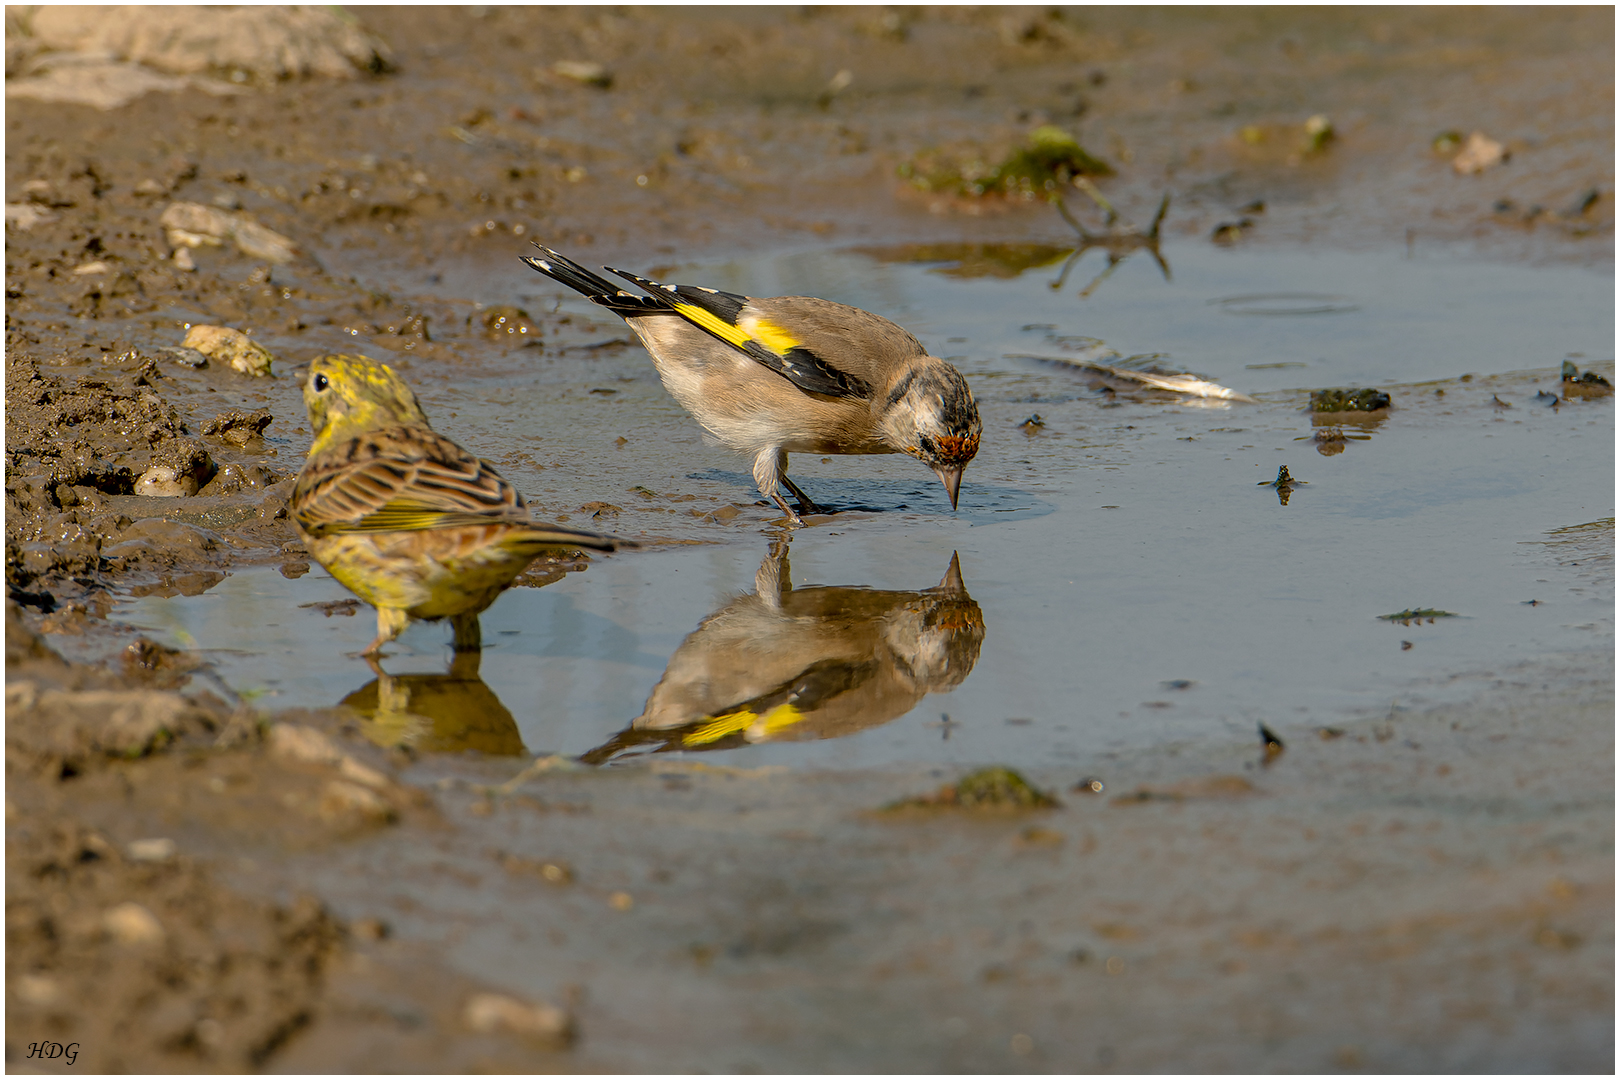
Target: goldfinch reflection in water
821 662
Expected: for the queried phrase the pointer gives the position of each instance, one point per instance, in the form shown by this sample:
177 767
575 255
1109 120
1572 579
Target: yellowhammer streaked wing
402 478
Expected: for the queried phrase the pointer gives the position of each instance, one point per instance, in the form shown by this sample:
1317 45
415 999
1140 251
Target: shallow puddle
1125 578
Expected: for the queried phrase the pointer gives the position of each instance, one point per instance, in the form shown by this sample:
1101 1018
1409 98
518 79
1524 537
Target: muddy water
1125 581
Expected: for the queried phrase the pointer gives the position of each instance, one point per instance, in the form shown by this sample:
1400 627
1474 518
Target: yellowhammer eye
320 383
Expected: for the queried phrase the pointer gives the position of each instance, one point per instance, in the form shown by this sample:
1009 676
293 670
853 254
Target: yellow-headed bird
403 517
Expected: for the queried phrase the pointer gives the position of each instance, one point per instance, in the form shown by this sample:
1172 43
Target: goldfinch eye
320 383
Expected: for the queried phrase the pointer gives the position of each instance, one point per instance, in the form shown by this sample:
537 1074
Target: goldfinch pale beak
952 479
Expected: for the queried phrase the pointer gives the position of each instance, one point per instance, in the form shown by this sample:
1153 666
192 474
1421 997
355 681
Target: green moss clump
999 787
1368 400
994 788
1049 161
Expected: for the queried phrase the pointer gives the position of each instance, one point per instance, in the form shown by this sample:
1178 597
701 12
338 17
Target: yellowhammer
403 517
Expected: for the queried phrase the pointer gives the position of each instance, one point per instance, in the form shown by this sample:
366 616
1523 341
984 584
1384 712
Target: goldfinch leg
793 519
469 637
391 622
805 505
769 465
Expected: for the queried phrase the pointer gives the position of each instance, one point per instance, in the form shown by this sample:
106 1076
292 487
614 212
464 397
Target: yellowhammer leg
469 637
391 622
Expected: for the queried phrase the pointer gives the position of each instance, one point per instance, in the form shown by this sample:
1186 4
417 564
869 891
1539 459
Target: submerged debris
1271 746
1032 423
1120 239
1284 479
1368 400
330 608
1285 484
1333 439
997 788
1230 232
1418 615
1175 382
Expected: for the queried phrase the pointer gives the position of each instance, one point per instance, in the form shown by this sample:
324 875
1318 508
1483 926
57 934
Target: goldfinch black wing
739 322
401 479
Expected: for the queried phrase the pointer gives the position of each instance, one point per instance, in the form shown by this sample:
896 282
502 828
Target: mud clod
1587 384
237 426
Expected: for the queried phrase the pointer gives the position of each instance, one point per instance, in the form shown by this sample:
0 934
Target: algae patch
1049 160
1368 400
995 789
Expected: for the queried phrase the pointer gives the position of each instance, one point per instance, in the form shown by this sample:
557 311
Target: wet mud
202 878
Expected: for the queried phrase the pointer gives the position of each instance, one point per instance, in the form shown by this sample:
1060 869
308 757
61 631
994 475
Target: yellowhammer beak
952 479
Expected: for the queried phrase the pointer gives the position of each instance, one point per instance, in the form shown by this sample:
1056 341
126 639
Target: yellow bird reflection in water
810 663
445 713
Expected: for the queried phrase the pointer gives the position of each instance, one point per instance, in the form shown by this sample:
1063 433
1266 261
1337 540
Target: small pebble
36 989
340 799
230 347
131 924
156 849
490 1013
302 743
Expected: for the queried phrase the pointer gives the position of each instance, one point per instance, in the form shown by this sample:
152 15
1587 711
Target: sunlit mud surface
1320 773
1131 579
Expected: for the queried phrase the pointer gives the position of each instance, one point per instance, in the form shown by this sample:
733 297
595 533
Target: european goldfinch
404 518
784 663
792 373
